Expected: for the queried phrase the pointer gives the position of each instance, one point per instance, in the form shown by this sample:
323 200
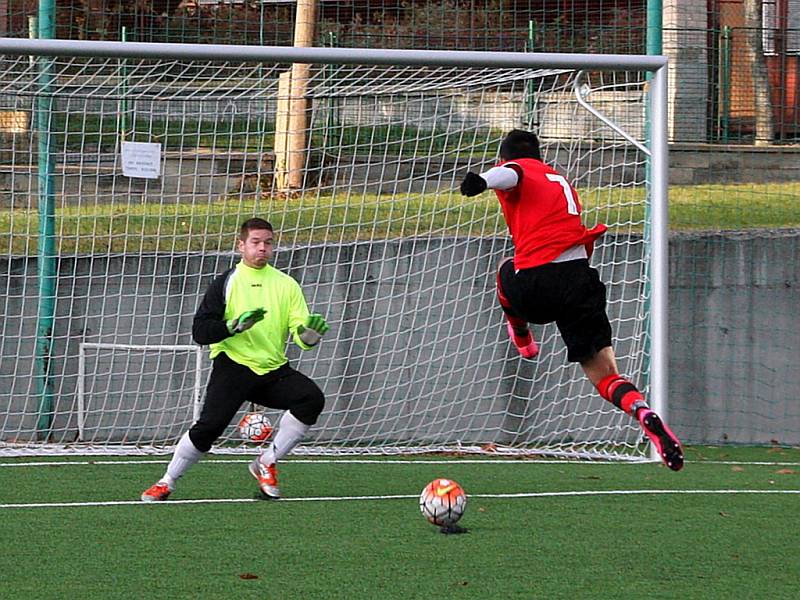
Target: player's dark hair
254 223
520 144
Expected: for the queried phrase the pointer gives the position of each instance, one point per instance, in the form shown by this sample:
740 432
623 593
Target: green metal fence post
123 102
332 122
725 83
46 260
530 98
655 13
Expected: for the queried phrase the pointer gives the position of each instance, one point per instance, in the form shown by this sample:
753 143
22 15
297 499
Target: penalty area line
580 493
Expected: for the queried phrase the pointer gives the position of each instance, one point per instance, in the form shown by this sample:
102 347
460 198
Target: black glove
473 185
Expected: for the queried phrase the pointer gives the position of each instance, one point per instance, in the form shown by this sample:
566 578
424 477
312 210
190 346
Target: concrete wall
735 337
694 164
419 337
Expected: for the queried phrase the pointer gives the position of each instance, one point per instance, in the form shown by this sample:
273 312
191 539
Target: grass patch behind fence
124 228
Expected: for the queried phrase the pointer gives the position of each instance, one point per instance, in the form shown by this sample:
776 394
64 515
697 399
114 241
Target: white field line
362 461
392 497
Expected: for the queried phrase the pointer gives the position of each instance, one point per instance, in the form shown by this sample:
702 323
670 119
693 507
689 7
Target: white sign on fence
141 159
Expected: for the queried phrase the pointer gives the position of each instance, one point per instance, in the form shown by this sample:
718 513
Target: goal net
126 171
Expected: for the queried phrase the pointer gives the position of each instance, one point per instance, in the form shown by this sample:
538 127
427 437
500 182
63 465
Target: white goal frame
655 147
82 405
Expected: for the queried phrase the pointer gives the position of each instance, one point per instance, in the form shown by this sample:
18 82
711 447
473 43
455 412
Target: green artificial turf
536 530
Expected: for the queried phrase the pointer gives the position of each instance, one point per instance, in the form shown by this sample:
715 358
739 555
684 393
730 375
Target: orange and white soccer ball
255 427
442 502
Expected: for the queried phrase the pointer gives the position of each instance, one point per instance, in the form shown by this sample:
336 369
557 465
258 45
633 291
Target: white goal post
133 366
106 262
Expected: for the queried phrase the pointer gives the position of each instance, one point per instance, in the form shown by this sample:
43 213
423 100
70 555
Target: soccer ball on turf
255 427
442 502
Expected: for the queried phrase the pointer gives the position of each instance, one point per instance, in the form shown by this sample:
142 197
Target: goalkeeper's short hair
254 223
520 144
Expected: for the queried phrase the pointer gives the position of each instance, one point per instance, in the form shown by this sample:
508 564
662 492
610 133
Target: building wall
684 41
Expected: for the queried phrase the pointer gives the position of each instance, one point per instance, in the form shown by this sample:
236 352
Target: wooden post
291 120
281 149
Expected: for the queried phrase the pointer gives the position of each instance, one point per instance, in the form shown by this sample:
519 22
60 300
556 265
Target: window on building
781 18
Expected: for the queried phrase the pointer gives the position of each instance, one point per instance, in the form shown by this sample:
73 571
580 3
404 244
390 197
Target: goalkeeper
549 277
246 316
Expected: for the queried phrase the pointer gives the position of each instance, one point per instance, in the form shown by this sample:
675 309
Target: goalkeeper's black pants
231 385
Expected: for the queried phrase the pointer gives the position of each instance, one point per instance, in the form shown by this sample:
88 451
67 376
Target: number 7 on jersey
572 206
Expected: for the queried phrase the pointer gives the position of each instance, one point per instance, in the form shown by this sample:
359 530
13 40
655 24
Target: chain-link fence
733 59
734 130
546 25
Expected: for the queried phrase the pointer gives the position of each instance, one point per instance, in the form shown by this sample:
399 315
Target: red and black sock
621 393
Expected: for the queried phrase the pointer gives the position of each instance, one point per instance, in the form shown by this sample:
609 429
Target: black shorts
567 293
231 385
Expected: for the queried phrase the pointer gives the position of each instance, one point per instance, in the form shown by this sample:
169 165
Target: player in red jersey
549 279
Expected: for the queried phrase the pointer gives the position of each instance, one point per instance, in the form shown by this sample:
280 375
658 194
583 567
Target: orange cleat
267 477
156 493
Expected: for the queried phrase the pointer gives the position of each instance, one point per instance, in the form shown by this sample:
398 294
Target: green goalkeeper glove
315 327
245 320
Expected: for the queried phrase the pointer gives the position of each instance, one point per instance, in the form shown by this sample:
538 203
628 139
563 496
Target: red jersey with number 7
543 214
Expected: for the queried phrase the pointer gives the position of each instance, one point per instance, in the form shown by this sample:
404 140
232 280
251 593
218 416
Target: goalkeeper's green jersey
262 348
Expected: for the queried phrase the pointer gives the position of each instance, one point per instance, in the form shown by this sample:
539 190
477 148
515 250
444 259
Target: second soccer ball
255 427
